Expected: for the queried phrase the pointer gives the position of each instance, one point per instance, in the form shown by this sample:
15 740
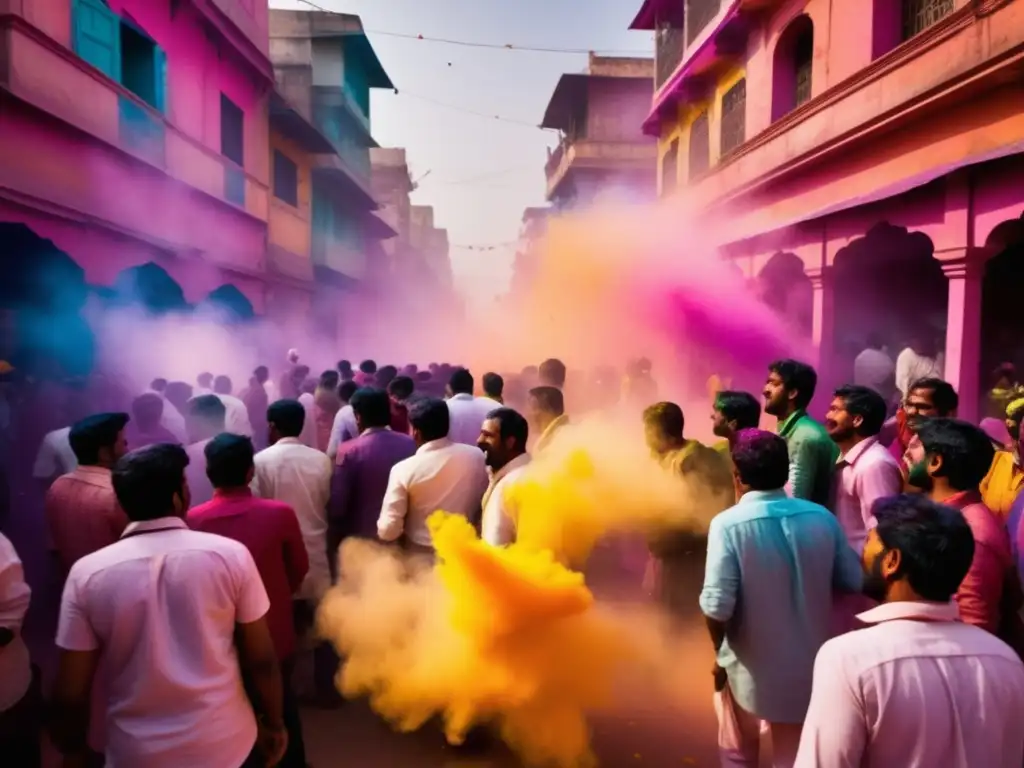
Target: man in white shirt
441 475
236 420
55 457
299 476
344 428
170 418
20 714
920 360
467 413
173 620
503 440
205 421
873 368
918 688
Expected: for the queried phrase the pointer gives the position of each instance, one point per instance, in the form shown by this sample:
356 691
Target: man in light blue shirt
773 563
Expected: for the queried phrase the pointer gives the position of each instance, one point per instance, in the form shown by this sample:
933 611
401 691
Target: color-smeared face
776 399
839 423
719 424
920 402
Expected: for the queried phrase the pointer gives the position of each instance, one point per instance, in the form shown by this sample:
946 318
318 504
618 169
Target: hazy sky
480 173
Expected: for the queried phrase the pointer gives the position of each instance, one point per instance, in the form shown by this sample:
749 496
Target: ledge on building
330 277
283 262
288 121
378 229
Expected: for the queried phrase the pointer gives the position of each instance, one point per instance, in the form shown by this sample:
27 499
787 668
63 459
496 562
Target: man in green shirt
812 453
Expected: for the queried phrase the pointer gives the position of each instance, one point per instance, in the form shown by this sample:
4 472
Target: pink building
868 156
134 138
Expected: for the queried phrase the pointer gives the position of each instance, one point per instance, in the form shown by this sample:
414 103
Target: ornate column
964 269
823 327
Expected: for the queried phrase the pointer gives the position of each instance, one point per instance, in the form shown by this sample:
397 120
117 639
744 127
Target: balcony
608 156
668 52
141 130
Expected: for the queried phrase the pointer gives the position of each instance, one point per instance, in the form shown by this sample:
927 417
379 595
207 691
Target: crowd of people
861 575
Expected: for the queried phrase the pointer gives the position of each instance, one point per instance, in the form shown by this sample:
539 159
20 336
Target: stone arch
792 65
783 285
228 300
1002 324
150 287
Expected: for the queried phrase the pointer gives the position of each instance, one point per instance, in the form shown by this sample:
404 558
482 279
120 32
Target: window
286 179
734 117
670 169
143 65
668 51
803 62
699 13
232 146
700 147
918 15
792 67
97 36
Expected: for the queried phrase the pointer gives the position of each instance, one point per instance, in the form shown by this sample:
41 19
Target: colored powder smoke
511 636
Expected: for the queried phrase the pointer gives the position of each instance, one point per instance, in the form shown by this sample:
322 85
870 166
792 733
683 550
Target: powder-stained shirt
772 565
55 456
865 474
918 689
1003 483
812 457
15 668
82 514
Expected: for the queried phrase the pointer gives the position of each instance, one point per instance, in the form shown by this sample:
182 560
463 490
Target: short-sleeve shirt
161 606
55 456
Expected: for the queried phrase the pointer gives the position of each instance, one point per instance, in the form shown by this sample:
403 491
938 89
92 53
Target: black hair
550 399
430 417
493 384
935 543
741 407
424 376
147 409
261 372
875 340
385 375
209 409
461 382
94 433
346 389
158 385
344 366
222 385
667 418
147 480
401 387
368 366
329 379
204 379
965 449
229 460
796 376
944 397
866 403
288 416
373 406
552 373
761 459
512 424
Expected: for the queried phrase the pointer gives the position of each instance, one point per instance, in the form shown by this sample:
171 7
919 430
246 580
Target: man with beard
732 412
503 439
866 471
948 467
812 454
918 688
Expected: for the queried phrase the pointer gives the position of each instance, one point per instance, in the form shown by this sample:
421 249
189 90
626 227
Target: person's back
361 479
466 413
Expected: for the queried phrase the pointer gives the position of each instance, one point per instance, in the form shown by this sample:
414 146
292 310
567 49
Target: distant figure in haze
178 394
503 439
237 419
204 384
205 420
384 376
400 390
171 419
788 391
466 412
345 370
545 411
327 405
367 375
145 427
873 368
344 427
494 386
773 565
442 474
256 401
291 378
551 373
920 359
731 412
159 386
530 376
640 387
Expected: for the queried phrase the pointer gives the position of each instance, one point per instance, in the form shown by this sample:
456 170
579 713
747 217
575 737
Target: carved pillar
823 326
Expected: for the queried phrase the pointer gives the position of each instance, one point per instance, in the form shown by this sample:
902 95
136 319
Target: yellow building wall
680 129
290 227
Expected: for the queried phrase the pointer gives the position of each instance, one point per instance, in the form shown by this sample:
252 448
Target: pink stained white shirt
161 606
864 474
918 689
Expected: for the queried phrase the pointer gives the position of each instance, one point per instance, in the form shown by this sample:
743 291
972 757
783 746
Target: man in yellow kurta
1005 479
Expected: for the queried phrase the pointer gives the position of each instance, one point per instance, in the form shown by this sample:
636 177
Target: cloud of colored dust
511 636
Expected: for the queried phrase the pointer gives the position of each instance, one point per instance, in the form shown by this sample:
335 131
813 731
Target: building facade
600 150
532 230
874 145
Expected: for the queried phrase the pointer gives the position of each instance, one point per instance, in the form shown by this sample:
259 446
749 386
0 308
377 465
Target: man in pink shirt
952 460
918 689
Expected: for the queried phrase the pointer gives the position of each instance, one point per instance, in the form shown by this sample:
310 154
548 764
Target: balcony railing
699 13
234 185
668 52
918 15
141 132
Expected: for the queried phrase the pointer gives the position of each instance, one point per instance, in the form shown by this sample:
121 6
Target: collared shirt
236 416
812 457
1002 484
772 564
82 514
198 483
361 480
270 532
308 436
343 429
15 667
919 689
300 477
466 416
498 523
865 474
161 606
981 592
441 475
172 421
548 435
55 456
873 368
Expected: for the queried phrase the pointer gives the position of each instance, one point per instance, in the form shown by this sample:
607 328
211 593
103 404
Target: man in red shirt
270 531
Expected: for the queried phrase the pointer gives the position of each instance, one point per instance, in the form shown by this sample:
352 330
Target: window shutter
97 36
160 76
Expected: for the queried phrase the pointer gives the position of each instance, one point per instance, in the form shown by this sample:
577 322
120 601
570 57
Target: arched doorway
151 288
784 286
230 303
1002 323
888 283
792 66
